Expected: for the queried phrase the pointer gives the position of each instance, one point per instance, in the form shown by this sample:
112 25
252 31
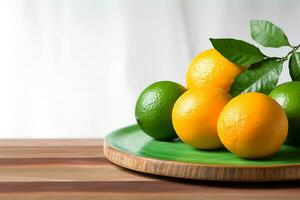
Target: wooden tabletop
77 169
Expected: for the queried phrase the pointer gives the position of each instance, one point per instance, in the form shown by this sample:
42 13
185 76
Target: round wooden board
131 148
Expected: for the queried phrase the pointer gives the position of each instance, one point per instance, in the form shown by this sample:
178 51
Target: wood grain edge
202 171
30 162
97 186
51 142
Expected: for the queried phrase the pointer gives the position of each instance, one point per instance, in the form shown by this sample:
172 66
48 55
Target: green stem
294 48
287 56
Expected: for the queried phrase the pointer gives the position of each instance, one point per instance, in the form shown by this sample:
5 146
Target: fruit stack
211 114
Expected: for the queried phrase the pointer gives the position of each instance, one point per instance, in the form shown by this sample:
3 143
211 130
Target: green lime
288 96
153 110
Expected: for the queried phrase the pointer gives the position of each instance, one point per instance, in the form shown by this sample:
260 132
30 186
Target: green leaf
294 66
238 51
261 77
268 34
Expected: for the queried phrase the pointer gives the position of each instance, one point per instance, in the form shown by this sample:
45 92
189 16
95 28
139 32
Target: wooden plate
131 148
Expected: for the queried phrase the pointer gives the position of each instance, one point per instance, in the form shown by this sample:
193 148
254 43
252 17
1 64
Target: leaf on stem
261 77
238 51
268 34
294 66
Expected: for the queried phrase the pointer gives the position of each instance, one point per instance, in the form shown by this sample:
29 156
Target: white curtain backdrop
74 68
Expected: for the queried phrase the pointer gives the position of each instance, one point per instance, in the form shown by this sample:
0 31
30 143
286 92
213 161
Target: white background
71 68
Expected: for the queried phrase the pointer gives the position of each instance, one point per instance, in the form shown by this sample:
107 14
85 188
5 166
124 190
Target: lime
288 96
153 110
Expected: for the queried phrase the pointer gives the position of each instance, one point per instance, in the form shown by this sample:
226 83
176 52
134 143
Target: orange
195 115
212 69
252 126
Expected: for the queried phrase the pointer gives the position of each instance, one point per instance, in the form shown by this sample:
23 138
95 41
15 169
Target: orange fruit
252 126
212 69
195 115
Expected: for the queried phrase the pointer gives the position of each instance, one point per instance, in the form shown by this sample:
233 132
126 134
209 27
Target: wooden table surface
77 169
